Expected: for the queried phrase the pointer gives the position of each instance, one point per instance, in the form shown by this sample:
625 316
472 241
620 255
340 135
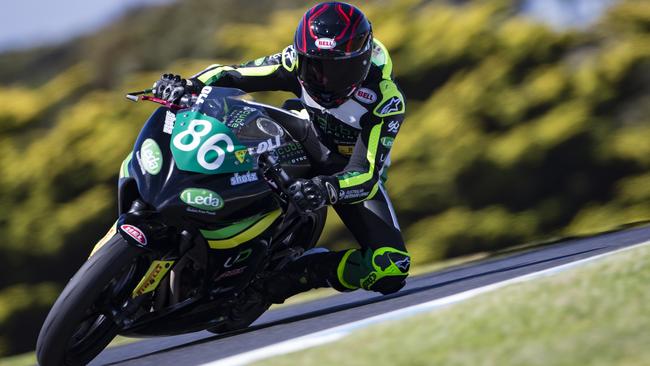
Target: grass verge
596 314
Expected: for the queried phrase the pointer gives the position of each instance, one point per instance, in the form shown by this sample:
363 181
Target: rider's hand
312 194
172 87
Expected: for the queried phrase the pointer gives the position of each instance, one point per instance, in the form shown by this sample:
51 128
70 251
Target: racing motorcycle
204 219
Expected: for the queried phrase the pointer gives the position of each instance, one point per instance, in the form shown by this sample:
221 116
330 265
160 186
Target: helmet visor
333 76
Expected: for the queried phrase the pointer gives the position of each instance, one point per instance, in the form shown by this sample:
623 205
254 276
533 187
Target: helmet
334 46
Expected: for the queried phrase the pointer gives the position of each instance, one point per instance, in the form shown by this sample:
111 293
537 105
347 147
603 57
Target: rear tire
75 330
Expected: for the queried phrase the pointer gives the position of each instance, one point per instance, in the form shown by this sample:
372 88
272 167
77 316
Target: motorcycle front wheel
80 325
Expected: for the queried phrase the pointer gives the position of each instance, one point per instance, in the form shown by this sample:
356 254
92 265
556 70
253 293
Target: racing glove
172 87
312 194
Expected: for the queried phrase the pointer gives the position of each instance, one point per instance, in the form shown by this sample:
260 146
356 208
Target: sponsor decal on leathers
392 106
289 58
345 149
353 193
393 126
387 141
203 199
366 95
135 233
331 192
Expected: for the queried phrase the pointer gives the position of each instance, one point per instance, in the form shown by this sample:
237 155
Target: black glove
312 194
172 87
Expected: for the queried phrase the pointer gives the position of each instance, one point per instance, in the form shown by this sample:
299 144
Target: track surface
301 319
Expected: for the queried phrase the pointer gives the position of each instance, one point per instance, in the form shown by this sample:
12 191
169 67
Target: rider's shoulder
379 91
289 58
381 59
382 97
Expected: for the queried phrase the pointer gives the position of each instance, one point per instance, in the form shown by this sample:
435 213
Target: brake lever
138 96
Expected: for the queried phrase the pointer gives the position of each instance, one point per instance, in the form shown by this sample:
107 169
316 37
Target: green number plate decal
202 144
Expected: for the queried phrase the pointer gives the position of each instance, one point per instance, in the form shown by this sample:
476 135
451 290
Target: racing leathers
359 133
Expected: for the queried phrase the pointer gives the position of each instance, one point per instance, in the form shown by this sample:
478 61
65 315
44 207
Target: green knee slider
382 270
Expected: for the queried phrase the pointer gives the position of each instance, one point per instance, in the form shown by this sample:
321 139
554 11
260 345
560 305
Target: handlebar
138 96
271 168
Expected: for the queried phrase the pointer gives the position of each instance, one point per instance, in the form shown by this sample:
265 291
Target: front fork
143 228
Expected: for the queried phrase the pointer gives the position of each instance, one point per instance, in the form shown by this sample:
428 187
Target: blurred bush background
515 131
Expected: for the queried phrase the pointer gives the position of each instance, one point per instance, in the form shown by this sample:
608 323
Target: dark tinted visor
333 75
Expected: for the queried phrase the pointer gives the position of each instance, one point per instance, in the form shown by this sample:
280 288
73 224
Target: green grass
26 359
596 314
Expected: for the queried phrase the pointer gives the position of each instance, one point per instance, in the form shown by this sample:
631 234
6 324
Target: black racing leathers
360 133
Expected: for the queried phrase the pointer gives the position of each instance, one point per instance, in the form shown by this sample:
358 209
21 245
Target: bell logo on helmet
325 43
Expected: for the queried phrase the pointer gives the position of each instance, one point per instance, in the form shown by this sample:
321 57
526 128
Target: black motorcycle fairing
244 194
163 190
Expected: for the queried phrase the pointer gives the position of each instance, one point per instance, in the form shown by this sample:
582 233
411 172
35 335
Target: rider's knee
389 285
383 270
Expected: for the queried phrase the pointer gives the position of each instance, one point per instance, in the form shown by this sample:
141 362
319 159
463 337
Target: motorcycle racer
343 78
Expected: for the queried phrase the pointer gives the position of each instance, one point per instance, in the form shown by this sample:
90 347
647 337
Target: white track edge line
335 333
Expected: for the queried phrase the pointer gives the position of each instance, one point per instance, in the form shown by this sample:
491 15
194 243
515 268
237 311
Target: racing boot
311 270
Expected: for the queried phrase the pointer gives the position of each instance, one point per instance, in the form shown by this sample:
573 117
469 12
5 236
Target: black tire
75 314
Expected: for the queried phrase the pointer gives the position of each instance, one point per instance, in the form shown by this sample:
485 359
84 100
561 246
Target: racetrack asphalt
306 318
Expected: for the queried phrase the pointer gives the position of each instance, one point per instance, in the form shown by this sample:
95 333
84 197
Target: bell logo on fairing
135 233
202 199
325 43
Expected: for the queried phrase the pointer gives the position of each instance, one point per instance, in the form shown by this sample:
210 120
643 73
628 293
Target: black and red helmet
334 46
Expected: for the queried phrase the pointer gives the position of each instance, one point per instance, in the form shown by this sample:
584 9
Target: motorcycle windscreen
203 144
